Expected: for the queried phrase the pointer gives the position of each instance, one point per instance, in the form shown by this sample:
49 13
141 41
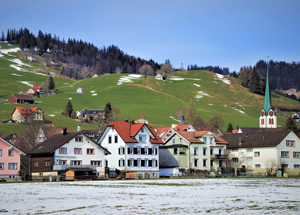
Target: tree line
79 59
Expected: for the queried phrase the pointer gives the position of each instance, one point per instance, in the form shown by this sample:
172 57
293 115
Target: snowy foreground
177 196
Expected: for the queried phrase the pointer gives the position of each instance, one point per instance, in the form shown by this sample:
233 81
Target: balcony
219 157
64 167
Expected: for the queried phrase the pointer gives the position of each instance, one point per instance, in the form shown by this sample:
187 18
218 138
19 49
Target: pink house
10 160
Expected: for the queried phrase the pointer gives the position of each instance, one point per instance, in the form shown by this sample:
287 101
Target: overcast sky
225 33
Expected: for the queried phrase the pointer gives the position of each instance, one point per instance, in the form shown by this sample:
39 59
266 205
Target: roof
234 131
267 103
250 130
189 136
181 127
37 87
24 110
50 131
23 96
13 146
128 131
56 141
162 130
255 139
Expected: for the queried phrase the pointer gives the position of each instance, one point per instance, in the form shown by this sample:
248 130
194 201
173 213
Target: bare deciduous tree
146 70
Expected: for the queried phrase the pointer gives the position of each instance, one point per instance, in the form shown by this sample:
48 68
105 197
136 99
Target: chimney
240 141
126 120
78 127
132 122
64 131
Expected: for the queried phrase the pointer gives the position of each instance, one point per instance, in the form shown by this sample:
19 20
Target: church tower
268 118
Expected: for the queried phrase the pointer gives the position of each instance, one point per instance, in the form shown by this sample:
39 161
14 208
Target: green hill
157 99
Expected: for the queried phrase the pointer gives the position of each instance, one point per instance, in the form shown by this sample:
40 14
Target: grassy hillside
158 100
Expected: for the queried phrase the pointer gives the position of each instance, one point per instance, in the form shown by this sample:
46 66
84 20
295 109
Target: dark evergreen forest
79 59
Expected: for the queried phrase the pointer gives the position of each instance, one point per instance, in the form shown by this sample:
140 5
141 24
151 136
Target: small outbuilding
80 90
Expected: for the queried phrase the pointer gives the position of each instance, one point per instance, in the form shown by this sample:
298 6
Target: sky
225 33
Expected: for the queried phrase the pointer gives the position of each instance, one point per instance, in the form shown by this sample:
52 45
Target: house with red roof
133 147
36 90
21 114
192 150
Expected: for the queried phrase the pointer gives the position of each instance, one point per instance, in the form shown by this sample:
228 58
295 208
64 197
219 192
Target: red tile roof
37 87
189 136
24 110
181 127
128 131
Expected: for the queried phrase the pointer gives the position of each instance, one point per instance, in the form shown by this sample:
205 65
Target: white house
73 152
200 150
262 153
133 147
80 90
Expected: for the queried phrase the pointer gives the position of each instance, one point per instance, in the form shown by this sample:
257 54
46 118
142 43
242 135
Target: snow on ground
222 78
197 85
240 105
171 196
175 119
30 58
178 78
26 82
19 62
128 79
200 94
16 67
6 51
70 98
92 91
94 94
51 115
16 74
238 110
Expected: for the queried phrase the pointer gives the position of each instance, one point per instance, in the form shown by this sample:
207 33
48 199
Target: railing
219 157
58 167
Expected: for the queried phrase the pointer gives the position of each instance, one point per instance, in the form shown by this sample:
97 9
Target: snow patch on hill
16 74
222 78
128 79
200 94
26 82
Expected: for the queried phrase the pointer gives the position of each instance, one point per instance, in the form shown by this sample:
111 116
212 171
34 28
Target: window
235 160
249 159
90 151
130 162
10 152
180 140
271 121
204 162
249 150
175 151
142 163
211 151
109 139
121 151
211 162
234 149
116 138
130 150
139 162
182 151
290 143
196 162
76 162
12 165
0 152
204 140
150 163
284 154
173 140
256 154
150 151
142 130
154 150
257 166
62 162
142 138
196 151
211 140
296 154
77 151
47 163
204 151
62 150
1 165
143 151
296 166
78 139
96 163
121 162
262 121
35 164
284 165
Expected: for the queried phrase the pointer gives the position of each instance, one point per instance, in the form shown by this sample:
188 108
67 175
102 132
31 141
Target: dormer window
204 140
142 130
142 138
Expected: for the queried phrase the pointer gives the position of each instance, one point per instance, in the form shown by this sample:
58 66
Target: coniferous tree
230 127
2 37
22 43
108 113
291 124
254 86
69 108
51 84
8 36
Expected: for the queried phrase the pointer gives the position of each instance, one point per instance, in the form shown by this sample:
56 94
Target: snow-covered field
177 196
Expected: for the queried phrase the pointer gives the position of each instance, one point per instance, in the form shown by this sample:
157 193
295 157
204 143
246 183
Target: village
135 150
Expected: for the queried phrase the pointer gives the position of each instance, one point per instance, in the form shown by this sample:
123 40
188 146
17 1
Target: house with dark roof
197 150
133 147
70 156
47 131
20 98
265 153
21 114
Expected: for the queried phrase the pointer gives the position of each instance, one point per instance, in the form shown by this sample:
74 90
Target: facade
36 90
263 153
80 90
68 152
10 160
200 150
268 118
133 147
19 114
20 98
87 113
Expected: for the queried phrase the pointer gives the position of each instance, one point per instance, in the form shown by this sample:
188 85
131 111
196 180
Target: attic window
50 142
40 147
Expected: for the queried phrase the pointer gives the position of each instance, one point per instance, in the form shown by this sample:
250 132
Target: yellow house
19 114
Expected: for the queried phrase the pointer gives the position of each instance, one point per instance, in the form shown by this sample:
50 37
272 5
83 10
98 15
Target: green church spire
267 103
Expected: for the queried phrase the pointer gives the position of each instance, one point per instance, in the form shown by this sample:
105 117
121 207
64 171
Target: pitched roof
181 127
189 136
50 131
267 103
162 131
23 96
56 141
24 110
37 87
12 145
128 131
255 139
250 130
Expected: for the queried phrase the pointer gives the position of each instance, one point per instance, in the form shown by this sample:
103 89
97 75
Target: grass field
158 100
